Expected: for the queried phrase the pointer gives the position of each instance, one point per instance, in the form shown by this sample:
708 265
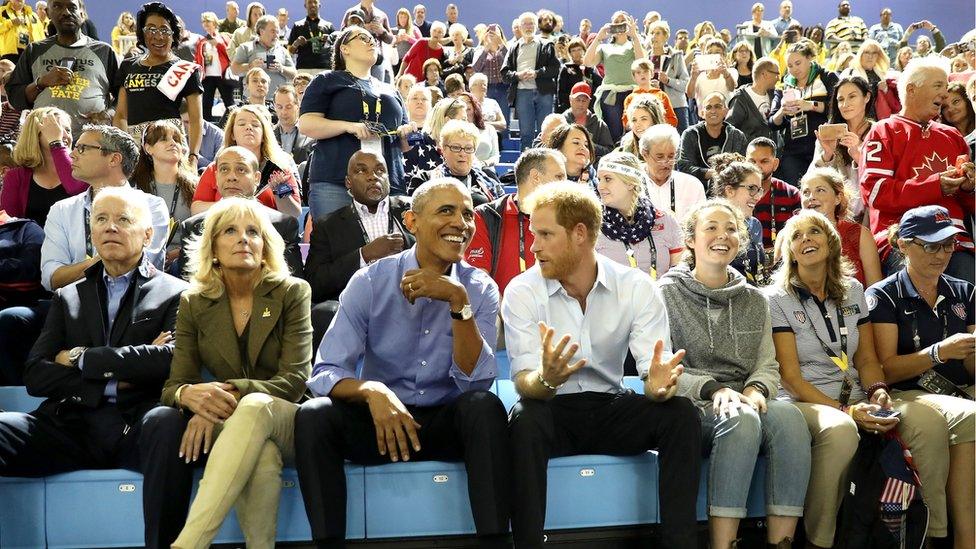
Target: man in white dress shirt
572 397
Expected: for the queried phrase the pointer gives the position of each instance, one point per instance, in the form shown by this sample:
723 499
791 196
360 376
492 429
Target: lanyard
671 183
521 240
842 362
633 259
916 339
377 111
772 214
392 225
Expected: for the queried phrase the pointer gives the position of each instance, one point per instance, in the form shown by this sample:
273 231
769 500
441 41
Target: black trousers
473 428
226 89
38 446
602 423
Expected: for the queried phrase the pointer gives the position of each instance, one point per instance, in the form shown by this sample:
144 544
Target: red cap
581 87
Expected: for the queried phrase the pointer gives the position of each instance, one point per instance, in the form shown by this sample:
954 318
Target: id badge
798 126
372 145
845 392
23 39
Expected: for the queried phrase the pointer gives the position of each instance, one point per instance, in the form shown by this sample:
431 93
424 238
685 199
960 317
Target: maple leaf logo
932 165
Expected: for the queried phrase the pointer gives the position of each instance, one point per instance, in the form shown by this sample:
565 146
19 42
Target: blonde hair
443 111
209 16
573 203
660 24
270 149
635 184
207 279
880 66
839 270
27 152
692 218
118 23
461 129
835 180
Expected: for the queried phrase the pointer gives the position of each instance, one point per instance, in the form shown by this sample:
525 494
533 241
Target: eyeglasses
158 31
366 39
754 190
460 148
82 148
948 246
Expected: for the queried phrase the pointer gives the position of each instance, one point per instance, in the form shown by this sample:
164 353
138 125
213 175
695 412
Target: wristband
874 388
934 355
759 387
545 383
56 144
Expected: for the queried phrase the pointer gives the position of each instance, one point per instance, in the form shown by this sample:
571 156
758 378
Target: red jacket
901 168
17 182
222 54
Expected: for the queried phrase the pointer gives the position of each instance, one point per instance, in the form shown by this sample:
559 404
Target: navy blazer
79 318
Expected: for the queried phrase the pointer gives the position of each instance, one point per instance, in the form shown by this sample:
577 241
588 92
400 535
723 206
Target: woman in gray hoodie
724 326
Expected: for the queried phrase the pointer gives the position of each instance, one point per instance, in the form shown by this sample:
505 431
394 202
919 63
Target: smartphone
618 28
832 131
790 95
791 35
415 138
708 61
885 413
269 59
960 160
67 62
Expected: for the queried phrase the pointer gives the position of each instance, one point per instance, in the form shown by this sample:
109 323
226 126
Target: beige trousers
244 471
835 439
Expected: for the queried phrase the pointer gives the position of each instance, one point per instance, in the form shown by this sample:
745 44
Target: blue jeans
499 92
781 435
325 198
682 114
613 114
531 107
19 329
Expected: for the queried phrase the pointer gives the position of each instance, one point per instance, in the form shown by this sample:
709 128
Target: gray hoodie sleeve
689 157
690 385
767 369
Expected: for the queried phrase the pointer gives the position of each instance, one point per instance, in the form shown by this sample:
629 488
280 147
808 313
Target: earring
215 261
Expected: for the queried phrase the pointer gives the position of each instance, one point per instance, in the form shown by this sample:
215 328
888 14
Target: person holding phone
710 73
825 348
839 141
923 46
617 57
267 53
731 375
923 322
800 109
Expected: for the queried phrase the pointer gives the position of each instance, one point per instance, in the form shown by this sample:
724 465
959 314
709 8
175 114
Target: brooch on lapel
266 313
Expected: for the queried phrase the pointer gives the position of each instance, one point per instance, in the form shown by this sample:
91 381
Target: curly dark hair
162 10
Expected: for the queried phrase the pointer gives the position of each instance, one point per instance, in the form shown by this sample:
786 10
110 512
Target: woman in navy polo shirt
923 329
347 110
825 349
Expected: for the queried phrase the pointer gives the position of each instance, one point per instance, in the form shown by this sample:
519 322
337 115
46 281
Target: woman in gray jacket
670 70
730 370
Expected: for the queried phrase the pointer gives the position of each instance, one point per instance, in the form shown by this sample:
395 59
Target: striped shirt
490 64
775 208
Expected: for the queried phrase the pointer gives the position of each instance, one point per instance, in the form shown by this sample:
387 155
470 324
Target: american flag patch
896 496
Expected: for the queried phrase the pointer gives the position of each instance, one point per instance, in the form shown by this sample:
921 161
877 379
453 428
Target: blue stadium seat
16 399
418 498
511 144
595 490
509 156
503 365
94 509
503 168
22 513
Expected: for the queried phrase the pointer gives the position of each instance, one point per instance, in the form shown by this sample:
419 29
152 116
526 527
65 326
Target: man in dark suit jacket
352 237
101 361
532 85
286 131
240 178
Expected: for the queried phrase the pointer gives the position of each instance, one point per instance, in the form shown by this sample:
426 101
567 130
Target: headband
622 169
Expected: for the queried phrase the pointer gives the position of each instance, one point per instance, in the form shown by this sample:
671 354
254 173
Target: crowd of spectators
202 235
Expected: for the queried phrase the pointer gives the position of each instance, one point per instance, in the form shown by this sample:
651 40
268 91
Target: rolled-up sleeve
56 248
345 341
650 325
519 313
485 370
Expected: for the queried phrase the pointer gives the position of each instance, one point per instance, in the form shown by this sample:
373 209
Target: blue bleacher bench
103 508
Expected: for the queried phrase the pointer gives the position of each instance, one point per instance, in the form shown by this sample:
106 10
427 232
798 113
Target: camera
415 138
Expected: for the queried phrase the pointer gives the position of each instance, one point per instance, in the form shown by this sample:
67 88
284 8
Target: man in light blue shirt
785 17
887 34
103 156
423 324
